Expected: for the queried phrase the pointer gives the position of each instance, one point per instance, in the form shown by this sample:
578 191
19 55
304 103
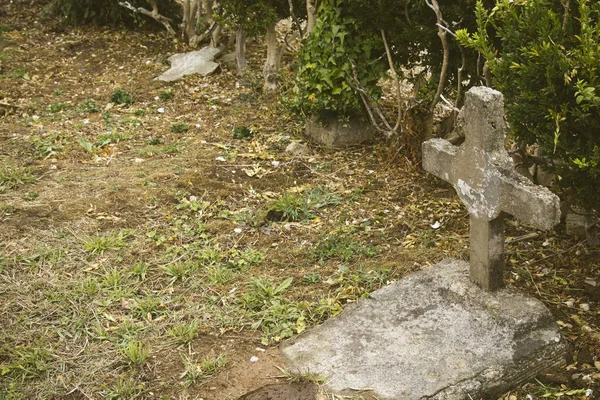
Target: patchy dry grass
153 261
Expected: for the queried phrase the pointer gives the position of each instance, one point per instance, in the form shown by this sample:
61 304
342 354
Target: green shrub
545 59
332 56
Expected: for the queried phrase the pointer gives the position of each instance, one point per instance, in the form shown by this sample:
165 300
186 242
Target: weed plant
100 244
166 95
135 353
12 175
184 332
120 96
180 128
341 246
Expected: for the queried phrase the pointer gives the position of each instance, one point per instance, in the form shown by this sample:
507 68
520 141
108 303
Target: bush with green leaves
254 16
346 53
544 57
331 60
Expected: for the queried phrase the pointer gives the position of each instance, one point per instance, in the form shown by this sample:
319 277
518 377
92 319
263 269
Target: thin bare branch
370 104
166 22
396 81
433 4
295 18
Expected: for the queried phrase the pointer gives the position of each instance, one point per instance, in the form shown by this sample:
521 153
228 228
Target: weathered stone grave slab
194 62
452 331
432 335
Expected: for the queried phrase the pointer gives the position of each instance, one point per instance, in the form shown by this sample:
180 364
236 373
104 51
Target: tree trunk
216 36
190 11
240 51
311 12
274 50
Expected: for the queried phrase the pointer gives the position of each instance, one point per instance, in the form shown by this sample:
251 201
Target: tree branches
441 24
154 14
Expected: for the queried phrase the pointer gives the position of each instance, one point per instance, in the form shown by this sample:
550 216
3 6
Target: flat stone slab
194 62
432 335
339 134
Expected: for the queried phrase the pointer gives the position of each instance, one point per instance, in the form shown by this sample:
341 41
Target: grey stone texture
485 179
194 62
583 226
297 149
335 133
433 335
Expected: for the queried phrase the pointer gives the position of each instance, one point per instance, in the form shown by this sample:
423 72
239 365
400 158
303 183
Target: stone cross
485 179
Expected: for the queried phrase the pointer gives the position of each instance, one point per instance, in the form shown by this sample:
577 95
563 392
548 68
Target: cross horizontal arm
532 204
438 156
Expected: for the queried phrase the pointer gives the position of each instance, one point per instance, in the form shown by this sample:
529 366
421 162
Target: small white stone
435 225
138 160
222 159
584 306
161 110
275 163
570 303
193 198
238 230
253 359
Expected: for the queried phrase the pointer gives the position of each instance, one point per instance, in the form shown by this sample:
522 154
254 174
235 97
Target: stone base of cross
485 179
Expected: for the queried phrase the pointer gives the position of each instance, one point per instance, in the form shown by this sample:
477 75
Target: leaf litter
154 260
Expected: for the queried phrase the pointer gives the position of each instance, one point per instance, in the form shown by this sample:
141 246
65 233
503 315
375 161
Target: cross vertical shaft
487 252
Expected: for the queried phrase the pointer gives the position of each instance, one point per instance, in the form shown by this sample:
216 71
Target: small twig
533 281
531 235
556 254
446 29
445 100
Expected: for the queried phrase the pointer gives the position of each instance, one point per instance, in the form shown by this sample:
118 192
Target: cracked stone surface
432 335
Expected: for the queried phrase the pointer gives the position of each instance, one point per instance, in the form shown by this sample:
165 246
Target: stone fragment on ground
583 226
432 335
284 391
335 133
297 149
229 60
194 62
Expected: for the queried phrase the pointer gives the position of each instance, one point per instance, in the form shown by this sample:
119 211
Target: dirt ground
146 250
